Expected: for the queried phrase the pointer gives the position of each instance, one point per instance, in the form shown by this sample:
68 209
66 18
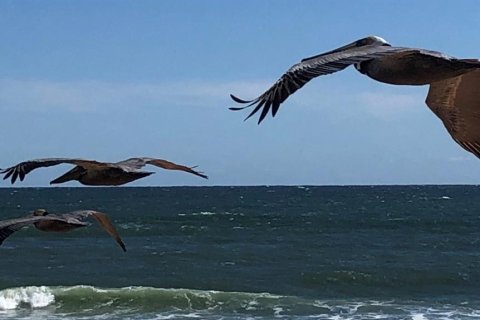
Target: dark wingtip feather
251 114
14 176
198 173
264 113
257 107
238 100
275 108
8 173
237 108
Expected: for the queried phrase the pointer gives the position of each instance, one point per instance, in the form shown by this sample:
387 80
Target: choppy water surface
398 252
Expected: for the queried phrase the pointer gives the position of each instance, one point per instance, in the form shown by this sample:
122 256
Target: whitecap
36 297
418 316
204 213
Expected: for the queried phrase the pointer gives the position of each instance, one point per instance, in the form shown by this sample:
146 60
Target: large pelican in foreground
454 94
45 221
95 173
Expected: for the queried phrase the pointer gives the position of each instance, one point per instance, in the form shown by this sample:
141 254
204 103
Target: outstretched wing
102 219
301 73
23 168
138 163
456 101
8 227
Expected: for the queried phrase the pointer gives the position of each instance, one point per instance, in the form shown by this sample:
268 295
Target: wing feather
8 227
138 163
301 73
164 164
23 168
103 220
456 101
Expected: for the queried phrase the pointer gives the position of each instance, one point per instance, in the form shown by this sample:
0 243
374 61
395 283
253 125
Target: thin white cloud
98 96
387 104
459 159
94 96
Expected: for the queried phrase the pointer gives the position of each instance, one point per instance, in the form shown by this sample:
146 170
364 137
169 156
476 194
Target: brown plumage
44 221
454 94
95 173
456 101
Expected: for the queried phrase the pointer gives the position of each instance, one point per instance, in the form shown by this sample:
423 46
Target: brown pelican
45 221
95 173
454 94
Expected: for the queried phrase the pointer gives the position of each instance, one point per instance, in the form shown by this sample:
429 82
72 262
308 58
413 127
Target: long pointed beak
343 48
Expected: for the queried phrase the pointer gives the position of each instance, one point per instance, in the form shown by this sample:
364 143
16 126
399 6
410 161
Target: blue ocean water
304 252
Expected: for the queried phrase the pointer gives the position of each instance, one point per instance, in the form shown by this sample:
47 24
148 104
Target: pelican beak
343 48
346 47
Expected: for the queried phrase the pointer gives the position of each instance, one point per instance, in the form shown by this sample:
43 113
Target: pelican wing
301 73
138 163
456 101
23 168
102 219
8 227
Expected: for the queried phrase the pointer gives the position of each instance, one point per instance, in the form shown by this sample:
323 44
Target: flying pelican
454 94
45 221
95 173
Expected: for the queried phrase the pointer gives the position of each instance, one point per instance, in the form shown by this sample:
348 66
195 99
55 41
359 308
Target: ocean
293 252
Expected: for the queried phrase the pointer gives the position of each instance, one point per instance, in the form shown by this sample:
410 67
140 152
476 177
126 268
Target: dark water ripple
397 242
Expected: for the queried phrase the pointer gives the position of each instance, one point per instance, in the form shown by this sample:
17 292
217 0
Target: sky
109 80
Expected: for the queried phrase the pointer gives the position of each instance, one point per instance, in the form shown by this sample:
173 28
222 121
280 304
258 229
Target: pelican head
368 41
372 40
40 212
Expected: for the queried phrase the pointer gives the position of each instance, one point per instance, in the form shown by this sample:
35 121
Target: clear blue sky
109 80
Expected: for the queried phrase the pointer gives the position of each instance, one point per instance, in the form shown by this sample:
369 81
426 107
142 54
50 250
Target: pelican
95 173
45 221
454 93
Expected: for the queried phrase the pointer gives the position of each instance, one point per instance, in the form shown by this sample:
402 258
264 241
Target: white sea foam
35 297
303 188
202 213
418 316
191 315
164 317
209 304
135 226
206 213
209 213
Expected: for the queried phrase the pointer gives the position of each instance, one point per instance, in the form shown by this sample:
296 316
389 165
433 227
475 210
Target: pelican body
414 68
96 173
48 222
58 225
454 93
95 177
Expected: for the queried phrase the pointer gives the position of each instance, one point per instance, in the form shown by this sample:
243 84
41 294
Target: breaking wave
33 297
80 302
